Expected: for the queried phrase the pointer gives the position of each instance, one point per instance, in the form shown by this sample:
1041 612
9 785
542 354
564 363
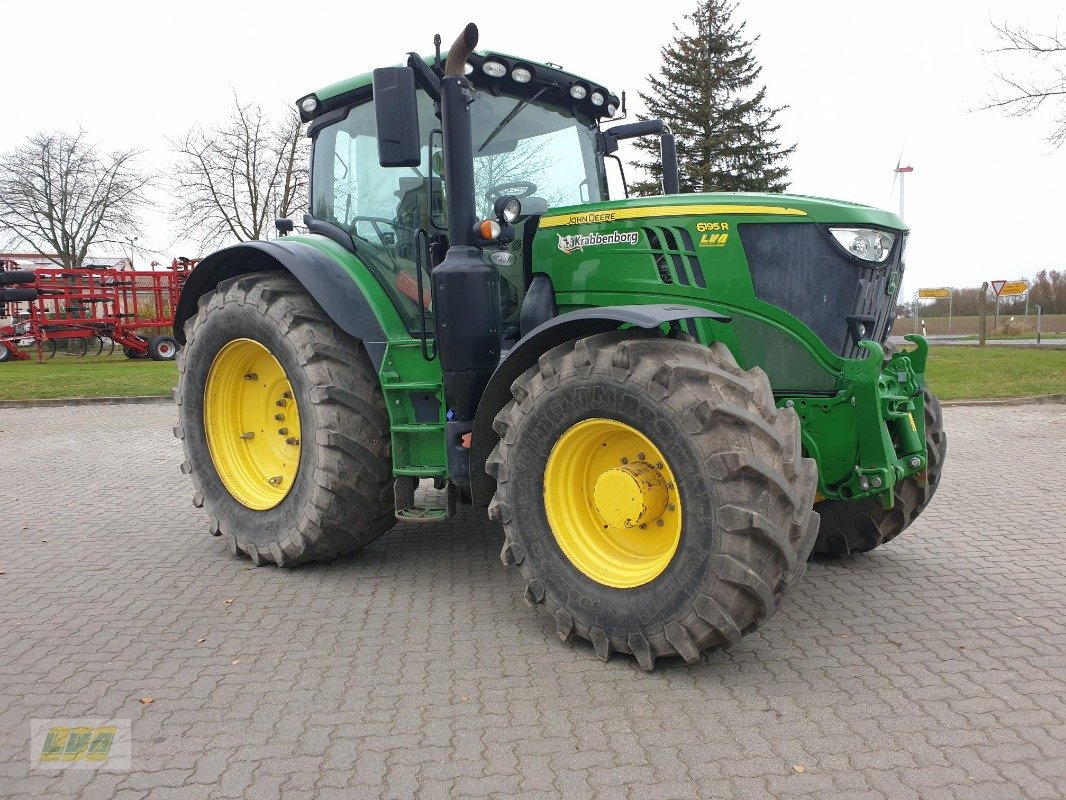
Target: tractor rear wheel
283 424
652 495
861 525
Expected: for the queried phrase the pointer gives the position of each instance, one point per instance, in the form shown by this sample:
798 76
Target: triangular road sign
997 286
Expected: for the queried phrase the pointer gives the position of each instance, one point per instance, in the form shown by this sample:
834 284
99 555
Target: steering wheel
517 189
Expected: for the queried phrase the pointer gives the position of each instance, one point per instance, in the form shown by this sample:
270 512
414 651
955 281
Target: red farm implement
91 311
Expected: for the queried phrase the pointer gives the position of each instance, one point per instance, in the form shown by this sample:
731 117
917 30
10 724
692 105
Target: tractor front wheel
283 424
654 498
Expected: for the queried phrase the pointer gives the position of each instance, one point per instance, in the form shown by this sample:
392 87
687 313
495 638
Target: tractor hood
784 206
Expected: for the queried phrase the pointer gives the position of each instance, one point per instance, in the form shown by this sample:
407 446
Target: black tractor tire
5 354
862 525
163 348
17 276
342 495
746 493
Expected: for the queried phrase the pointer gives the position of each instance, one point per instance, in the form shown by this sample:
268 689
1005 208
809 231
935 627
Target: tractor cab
535 137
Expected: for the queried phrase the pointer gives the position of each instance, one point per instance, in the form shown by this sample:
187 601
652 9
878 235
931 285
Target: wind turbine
901 173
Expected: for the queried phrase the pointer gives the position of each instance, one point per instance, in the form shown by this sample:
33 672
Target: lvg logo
713 234
80 743
63 743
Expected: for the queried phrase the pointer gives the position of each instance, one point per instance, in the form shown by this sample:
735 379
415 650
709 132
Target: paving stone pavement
933 668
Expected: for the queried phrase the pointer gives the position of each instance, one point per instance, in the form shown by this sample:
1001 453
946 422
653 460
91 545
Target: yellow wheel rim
252 424
612 503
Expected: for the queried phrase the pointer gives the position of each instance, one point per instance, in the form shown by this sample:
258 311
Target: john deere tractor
656 397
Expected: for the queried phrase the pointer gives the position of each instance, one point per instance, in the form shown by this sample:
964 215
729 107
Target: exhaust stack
466 291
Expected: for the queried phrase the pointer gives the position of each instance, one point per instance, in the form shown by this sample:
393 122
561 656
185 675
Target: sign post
938 294
1010 289
981 311
997 287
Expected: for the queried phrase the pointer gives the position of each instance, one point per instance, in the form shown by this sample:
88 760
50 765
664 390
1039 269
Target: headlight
494 69
578 92
597 98
521 75
502 258
309 104
507 209
864 243
611 108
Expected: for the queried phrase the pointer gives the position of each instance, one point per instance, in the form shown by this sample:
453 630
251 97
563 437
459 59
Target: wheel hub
630 495
612 503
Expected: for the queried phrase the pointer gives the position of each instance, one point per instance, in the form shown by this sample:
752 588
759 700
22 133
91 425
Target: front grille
874 300
797 267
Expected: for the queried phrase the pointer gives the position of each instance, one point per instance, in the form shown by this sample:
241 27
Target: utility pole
132 242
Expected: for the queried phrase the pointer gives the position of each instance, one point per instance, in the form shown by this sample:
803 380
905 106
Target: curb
52 402
1035 400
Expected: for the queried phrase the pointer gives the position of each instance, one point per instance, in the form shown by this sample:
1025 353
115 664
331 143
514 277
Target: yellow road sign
934 292
1014 288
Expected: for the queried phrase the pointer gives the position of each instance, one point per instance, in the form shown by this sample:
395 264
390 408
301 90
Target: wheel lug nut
640 456
279 417
281 403
625 460
671 507
287 395
659 523
643 527
658 465
292 440
248 435
283 431
251 376
275 481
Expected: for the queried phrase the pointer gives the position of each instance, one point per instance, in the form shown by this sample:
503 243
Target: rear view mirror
396 112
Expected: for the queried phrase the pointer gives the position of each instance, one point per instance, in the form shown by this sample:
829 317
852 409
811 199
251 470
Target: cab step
407 510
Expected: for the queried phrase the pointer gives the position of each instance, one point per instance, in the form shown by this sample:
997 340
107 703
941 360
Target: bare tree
232 180
60 195
1044 82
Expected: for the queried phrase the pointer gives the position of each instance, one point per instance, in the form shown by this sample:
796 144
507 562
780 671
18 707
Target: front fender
329 283
554 332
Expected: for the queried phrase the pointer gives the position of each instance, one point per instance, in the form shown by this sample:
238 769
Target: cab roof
548 82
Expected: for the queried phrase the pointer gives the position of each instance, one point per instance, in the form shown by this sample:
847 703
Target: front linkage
880 416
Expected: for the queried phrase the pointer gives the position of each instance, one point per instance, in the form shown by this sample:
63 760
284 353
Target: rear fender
528 350
327 281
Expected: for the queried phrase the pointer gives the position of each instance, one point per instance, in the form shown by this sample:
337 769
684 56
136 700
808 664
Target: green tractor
651 395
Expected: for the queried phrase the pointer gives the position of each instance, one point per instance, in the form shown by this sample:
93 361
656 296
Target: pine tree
726 134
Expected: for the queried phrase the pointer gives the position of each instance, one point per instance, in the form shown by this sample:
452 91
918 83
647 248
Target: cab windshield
544 154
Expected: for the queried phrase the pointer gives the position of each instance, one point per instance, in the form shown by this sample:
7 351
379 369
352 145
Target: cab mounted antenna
436 47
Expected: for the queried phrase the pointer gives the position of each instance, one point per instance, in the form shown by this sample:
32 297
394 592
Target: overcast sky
862 80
